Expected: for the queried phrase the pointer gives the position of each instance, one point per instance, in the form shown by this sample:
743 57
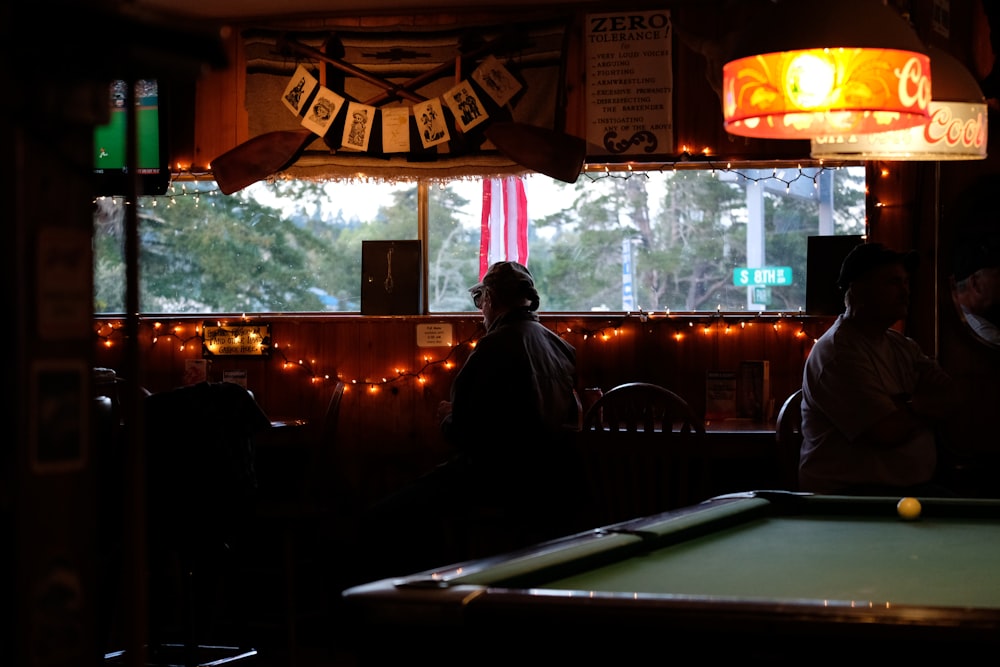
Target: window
683 240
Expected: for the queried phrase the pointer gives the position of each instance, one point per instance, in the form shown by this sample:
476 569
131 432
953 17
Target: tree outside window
660 240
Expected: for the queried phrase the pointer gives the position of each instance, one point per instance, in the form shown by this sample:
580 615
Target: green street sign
765 275
761 295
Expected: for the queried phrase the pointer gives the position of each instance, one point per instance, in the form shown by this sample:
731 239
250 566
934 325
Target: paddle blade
258 158
555 154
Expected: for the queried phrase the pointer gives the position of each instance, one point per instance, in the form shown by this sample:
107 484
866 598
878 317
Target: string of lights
786 175
188 337
201 184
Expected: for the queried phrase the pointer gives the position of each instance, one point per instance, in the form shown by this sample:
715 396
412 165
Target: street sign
628 297
765 275
761 295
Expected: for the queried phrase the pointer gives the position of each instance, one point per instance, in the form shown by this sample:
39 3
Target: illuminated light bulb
809 79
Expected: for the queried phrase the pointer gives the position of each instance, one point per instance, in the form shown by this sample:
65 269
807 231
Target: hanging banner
629 83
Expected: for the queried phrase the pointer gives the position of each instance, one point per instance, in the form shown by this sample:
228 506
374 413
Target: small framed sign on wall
236 340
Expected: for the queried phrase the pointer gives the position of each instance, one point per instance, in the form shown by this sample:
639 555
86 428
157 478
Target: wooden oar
555 154
258 158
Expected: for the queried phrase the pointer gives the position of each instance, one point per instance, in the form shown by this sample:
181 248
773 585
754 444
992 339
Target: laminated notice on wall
629 83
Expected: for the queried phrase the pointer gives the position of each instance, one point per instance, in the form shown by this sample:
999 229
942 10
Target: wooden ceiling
242 10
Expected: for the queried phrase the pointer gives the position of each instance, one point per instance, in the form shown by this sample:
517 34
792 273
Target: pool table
754 576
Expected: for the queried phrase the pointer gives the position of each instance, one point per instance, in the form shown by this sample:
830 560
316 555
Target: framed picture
236 340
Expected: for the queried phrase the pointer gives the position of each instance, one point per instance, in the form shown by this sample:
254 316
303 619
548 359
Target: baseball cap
974 254
509 280
866 257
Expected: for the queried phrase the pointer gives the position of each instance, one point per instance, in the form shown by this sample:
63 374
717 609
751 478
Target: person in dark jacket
514 401
510 425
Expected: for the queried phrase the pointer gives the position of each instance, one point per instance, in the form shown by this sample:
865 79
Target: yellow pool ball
908 508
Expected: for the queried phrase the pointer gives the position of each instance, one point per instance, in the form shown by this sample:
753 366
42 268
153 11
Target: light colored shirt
982 327
848 385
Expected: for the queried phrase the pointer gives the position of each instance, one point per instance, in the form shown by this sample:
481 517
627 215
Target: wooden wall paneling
389 437
575 81
386 435
704 33
220 113
676 357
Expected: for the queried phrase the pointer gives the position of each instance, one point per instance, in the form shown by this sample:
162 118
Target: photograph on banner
323 109
395 130
430 117
358 128
465 106
496 80
299 89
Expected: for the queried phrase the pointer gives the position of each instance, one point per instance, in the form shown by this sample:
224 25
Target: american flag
504 233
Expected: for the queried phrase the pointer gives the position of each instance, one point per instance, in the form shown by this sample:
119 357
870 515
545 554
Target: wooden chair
644 452
788 433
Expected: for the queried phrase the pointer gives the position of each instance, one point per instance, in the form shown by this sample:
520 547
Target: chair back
644 452
201 477
642 407
788 433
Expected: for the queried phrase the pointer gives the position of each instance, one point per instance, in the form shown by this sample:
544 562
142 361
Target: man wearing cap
520 367
870 396
513 404
977 286
510 424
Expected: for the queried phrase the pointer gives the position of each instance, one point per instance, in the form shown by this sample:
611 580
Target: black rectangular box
390 278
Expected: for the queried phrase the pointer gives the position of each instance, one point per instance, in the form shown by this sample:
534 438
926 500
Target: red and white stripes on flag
504 233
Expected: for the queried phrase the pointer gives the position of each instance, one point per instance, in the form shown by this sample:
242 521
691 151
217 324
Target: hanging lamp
956 129
808 69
